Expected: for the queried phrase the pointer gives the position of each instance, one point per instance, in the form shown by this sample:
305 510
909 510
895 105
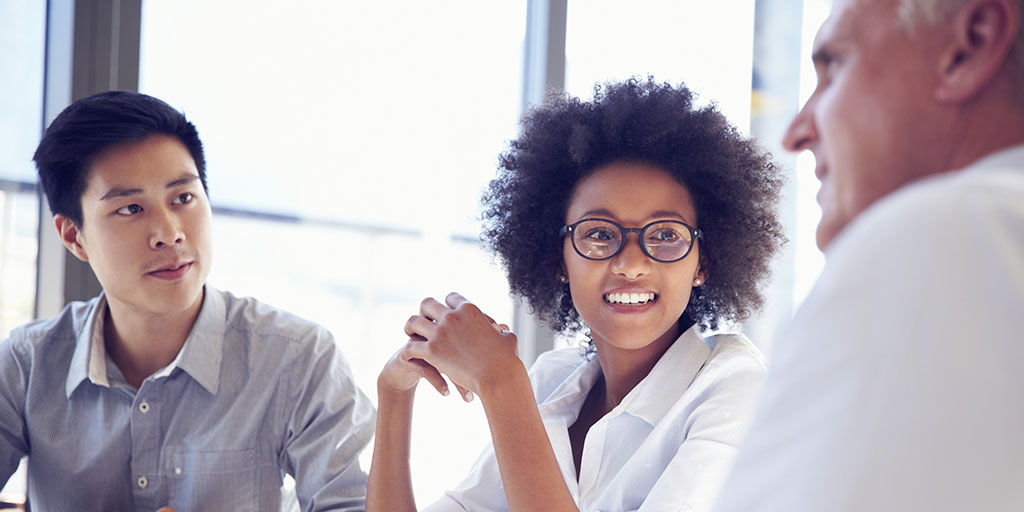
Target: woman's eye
183 198
131 209
600 234
664 235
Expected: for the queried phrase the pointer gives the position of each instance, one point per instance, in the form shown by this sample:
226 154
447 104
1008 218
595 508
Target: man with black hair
163 391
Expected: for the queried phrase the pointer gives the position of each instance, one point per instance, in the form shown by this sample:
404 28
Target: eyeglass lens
666 240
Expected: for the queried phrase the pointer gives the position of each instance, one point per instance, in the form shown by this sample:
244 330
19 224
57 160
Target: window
22 40
347 147
22 25
707 45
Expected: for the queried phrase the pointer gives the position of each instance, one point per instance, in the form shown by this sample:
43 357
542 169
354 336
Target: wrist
505 377
390 393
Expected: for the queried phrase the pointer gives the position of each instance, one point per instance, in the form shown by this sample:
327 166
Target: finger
455 299
467 395
505 328
431 375
417 351
418 326
432 309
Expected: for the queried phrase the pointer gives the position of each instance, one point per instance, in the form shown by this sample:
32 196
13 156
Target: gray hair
915 13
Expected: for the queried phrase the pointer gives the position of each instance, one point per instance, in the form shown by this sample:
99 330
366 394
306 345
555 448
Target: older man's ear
983 35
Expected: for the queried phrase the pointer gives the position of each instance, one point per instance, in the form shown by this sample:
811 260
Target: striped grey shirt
254 393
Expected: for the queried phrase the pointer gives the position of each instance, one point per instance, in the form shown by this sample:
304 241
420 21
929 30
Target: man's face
868 118
146 227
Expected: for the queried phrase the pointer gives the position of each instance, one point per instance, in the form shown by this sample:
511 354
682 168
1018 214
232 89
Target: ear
70 236
984 32
699 278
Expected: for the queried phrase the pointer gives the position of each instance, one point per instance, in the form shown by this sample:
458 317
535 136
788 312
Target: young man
163 391
899 384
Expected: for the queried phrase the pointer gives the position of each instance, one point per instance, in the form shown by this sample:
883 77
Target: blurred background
348 144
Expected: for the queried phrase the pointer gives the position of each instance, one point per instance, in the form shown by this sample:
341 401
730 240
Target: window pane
707 45
22 26
348 145
22 39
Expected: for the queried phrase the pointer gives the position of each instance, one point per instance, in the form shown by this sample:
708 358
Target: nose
802 132
631 262
165 229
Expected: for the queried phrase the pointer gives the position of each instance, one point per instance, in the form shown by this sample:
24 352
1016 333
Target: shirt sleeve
331 423
13 386
693 477
898 385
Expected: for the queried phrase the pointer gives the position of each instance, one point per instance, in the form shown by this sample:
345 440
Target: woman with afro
643 222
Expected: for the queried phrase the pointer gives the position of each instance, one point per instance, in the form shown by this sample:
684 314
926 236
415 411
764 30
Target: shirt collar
1010 157
86 350
204 347
200 357
652 398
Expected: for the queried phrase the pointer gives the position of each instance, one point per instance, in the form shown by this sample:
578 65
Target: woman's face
633 195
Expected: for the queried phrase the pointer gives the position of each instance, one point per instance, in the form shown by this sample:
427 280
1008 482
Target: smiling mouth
630 299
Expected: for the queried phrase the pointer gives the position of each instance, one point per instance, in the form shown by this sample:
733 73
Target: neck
989 124
141 343
623 368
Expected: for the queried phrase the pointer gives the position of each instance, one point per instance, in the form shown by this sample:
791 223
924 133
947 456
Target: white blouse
666 446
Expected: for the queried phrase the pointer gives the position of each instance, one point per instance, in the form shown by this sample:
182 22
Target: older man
900 383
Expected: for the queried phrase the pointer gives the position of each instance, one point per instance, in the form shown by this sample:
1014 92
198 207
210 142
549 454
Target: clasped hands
455 339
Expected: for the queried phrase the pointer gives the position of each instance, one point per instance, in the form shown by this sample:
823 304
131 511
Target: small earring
697 282
563 279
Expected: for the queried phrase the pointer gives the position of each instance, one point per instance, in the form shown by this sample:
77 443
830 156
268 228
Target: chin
176 301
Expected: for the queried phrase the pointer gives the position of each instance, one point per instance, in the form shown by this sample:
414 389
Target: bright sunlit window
348 145
707 45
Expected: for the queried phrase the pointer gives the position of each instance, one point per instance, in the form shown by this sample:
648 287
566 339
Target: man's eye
184 198
131 209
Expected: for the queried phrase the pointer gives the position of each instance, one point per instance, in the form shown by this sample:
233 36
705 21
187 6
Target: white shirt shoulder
897 385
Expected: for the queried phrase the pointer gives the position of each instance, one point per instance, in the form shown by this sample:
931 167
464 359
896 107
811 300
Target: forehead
855 18
151 162
631 193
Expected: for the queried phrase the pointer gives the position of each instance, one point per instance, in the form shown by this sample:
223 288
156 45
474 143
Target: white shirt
900 383
666 446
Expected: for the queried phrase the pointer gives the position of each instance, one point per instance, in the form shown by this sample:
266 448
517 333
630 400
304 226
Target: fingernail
446 392
469 396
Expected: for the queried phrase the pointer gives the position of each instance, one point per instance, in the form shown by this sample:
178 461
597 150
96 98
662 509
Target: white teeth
629 298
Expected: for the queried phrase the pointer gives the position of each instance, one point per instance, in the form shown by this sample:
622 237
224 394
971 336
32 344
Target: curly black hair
734 185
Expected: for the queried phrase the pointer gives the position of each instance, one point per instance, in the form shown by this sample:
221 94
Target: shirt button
143 482
177 471
144 407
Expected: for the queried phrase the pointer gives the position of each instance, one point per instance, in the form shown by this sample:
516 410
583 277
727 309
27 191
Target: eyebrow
659 214
116 192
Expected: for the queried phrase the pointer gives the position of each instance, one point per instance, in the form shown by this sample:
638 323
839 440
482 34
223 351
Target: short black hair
734 185
91 125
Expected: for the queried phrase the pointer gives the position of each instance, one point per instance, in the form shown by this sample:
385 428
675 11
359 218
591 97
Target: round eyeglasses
662 240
